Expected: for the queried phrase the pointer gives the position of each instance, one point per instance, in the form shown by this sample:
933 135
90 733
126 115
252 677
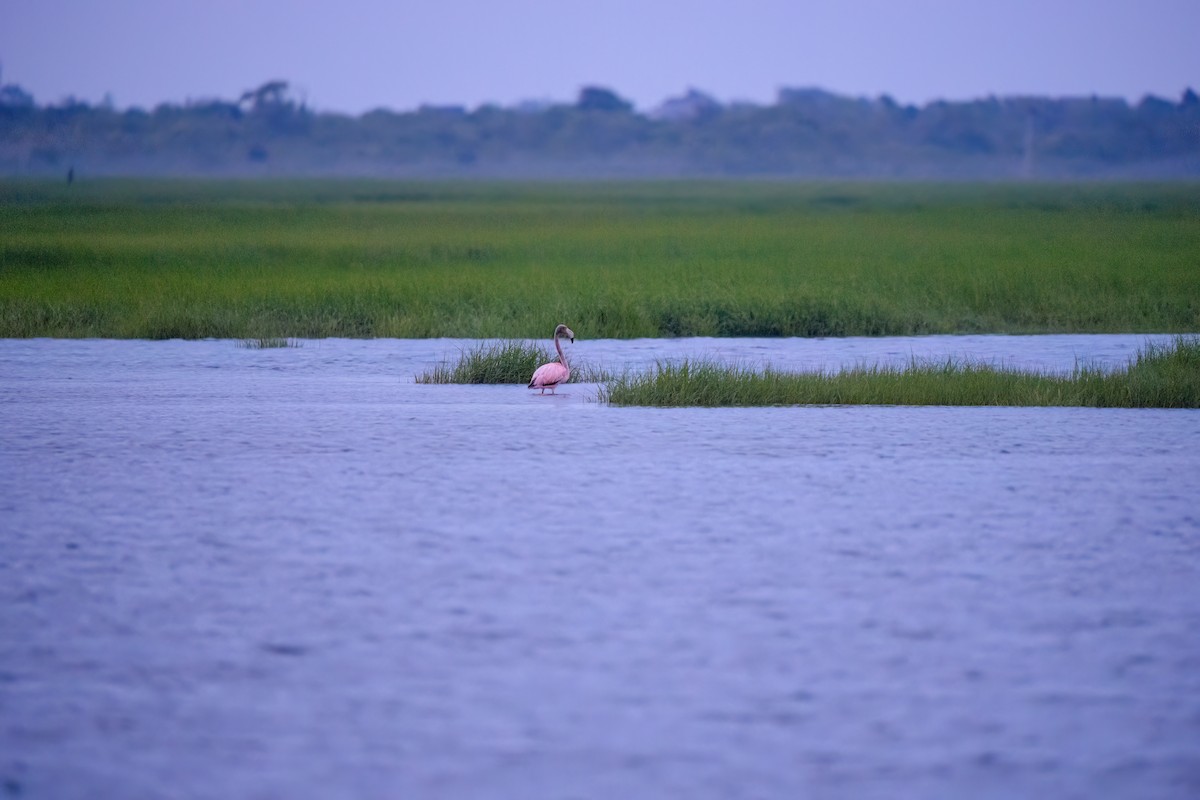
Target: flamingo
548 376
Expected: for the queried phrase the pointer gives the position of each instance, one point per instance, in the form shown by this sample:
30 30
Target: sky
352 56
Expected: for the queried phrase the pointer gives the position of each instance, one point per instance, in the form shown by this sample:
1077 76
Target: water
296 573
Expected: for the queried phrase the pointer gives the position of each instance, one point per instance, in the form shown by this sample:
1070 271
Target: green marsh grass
498 362
268 342
1159 377
505 362
313 259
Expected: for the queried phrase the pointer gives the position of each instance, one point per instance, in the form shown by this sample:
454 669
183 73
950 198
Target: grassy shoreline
311 259
1158 377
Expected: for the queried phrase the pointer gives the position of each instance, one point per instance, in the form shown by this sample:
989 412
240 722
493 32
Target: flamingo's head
563 330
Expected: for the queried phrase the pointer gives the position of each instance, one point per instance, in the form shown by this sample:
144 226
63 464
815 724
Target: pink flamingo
548 376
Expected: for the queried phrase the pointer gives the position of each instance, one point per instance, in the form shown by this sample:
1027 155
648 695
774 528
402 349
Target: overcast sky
355 55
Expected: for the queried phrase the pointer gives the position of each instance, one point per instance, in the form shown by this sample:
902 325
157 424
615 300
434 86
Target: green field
262 260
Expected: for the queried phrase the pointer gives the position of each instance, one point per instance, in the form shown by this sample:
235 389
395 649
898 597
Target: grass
504 362
1159 377
500 362
268 342
310 259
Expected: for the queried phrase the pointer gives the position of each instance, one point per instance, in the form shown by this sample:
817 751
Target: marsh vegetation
1159 377
268 343
498 362
504 362
314 259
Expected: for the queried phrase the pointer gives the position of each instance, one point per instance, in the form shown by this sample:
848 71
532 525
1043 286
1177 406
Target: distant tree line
804 133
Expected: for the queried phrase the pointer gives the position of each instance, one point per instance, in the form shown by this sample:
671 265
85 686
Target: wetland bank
180 259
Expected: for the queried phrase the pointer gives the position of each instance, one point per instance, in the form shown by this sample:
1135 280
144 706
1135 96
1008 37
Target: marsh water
295 573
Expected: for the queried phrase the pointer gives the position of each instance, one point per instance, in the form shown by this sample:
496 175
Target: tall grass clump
506 362
497 362
1159 377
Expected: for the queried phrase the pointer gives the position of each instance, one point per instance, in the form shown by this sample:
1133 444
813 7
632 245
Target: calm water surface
296 573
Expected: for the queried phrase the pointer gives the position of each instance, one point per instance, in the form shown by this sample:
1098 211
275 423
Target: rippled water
296 573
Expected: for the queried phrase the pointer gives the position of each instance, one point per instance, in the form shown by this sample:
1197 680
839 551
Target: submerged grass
313 259
268 342
1159 377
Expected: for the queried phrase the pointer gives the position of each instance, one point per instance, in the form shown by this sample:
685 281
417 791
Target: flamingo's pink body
549 376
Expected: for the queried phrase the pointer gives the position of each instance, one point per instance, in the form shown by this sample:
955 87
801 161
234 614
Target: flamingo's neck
561 355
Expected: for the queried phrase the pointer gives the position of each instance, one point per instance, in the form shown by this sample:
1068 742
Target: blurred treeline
804 133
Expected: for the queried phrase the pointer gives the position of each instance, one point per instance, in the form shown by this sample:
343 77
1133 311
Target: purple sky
355 55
